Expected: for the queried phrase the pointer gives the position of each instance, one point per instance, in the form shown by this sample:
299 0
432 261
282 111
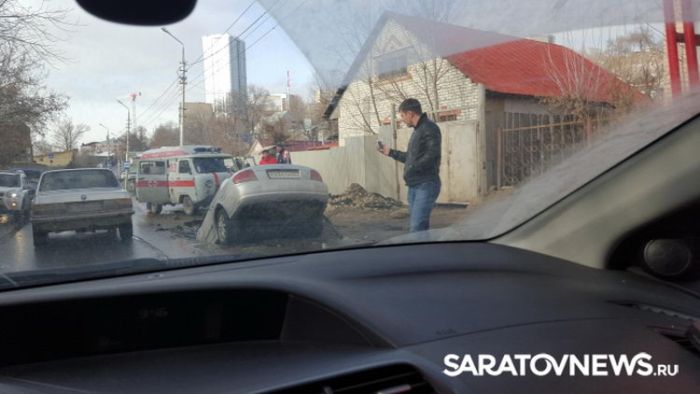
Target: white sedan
81 200
268 198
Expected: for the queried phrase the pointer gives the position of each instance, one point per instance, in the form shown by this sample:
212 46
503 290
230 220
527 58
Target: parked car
81 200
271 197
15 197
129 178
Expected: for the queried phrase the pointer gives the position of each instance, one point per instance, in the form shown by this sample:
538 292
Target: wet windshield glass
210 164
339 123
66 180
9 180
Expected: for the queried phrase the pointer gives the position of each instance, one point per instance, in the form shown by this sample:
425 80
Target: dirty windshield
268 128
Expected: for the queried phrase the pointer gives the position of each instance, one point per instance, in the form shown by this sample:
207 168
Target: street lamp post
109 145
128 126
183 82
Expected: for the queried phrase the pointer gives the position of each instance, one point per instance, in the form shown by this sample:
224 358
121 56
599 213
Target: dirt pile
357 197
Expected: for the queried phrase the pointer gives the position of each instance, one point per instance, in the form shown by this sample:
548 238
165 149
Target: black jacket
422 159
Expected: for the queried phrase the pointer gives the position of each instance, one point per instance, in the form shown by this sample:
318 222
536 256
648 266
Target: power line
200 60
258 40
164 103
173 99
150 120
154 102
201 80
175 96
230 26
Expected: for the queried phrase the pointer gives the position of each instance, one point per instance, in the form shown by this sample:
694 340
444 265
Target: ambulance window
159 168
185 167
152 168
146 167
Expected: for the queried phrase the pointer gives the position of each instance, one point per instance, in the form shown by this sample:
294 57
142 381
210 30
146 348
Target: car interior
613 268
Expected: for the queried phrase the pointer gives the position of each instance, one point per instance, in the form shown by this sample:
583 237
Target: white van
187 175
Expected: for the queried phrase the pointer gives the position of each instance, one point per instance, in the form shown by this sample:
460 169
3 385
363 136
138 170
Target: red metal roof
534 68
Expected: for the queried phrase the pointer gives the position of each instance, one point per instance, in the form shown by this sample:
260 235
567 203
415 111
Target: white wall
359 162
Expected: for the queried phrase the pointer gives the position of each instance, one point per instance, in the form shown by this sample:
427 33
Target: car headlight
13 195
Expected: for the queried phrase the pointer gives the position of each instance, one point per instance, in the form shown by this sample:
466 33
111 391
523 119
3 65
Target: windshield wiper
60 275
22 279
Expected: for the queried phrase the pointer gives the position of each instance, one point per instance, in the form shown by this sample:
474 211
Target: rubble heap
357 197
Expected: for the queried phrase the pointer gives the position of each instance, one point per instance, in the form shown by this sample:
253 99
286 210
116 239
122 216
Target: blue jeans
421 199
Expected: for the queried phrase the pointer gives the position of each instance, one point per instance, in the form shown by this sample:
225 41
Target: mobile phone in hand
380 145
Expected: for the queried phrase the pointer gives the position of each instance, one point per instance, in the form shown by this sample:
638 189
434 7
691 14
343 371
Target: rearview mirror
140 12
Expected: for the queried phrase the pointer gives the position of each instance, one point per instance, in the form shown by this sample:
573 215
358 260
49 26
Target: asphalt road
170 235
69 248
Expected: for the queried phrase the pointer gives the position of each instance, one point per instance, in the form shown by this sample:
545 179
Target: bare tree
225 133
67 134
26 43
591 93
637 58
257 105
31 29
166 134
16 143
42 147
414 69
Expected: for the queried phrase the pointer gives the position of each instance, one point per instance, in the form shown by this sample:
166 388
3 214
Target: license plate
283 174
85 206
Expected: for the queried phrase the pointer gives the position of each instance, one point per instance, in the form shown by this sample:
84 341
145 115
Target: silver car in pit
267 199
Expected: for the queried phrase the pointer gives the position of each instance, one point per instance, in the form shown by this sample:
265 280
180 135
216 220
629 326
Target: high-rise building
224 73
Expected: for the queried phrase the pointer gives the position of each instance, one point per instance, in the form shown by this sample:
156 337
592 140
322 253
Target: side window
152 167
184 167
159 168
145 167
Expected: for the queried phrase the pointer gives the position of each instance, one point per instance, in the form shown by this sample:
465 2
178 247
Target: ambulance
187 175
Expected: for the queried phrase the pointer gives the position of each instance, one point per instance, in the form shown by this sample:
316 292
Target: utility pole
133 97
109 145
128 129
182 73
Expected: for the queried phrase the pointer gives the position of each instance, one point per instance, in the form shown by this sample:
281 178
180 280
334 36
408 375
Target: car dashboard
357 321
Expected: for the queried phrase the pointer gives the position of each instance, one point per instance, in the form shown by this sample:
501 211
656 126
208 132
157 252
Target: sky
105 61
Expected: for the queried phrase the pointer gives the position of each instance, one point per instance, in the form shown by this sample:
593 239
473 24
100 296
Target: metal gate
529 144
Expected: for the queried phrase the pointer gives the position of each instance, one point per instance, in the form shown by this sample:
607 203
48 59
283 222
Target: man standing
421 163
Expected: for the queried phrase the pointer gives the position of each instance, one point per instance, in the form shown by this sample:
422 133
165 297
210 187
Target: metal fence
529 144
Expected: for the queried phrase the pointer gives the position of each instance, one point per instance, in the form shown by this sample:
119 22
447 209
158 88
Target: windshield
9 180
342 123
66 180
211 164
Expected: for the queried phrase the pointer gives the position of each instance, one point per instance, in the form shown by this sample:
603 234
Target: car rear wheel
225 228
126 231
154 208
40 237
188 206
